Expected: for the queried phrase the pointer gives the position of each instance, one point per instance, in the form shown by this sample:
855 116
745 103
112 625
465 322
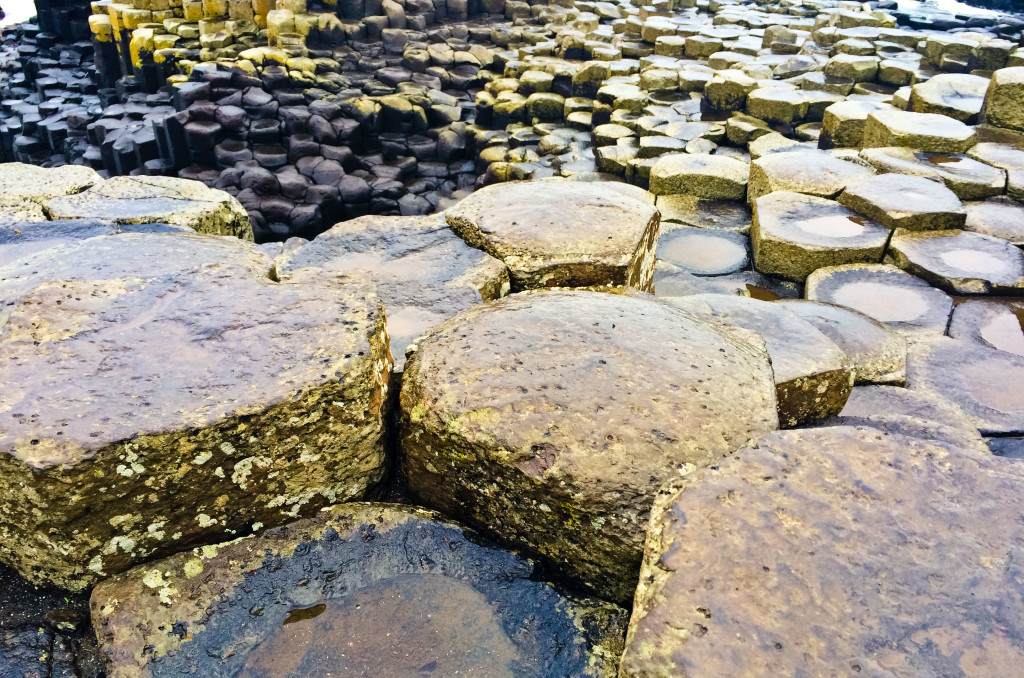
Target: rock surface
750 534
540 438
156 401
427 596
565 235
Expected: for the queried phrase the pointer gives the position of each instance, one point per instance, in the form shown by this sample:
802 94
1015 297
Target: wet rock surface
750 532
428 596
542 414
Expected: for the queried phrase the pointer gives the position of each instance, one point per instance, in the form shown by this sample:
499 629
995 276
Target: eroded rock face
155 401
813 376
562 234
548 419
422 271
736 580
141 200
427 596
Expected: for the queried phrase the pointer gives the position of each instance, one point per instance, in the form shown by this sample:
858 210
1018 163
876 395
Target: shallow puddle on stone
833 226
885 303
995 384
938 158
1004 332
761 293
974 262
404 626
702 253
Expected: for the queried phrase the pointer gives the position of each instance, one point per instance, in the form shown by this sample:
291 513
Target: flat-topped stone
902 201
969 179
812 374
703 176
30 182
992 323
870 401
843 123
812 172
702 251
170 394
893 297
746 587
562 233
1008 157
957 95
922 131
548 412
878 354
727 215
426 593
986 383
794 234
1002 218
1003 107
422 271
961 262
141 200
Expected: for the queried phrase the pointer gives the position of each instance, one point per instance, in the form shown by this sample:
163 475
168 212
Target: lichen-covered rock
561 233
794 234
813 376
29 182
161 391
142 200
758 566
1004 100
363 589
549 419
422 271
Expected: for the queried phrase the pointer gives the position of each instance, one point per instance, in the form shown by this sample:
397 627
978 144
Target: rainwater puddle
886 303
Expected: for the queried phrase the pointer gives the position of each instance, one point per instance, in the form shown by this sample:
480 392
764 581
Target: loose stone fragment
423 593
804 171
986 383
994 324
878 355
565 234
793 235
169 393
903 201
142 200
898 300
921 131
578 406
960 261
728 544
703 176
422 271
703 251
813 376
966 177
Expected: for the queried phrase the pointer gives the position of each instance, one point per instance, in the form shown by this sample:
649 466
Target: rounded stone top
591 387
128 341
844 551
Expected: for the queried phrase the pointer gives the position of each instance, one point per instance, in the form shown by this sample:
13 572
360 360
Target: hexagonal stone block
961 262
170 394
843 123
903 201
986 383
813 376
923 131
878 355
898 300
793 235
426 593
966 177
730 543
804 171
495 397
957 95
727 215
422 271
991 323
1002 218
778 104
702 251
704 176
1009 157
562 233
144 200
1003 100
